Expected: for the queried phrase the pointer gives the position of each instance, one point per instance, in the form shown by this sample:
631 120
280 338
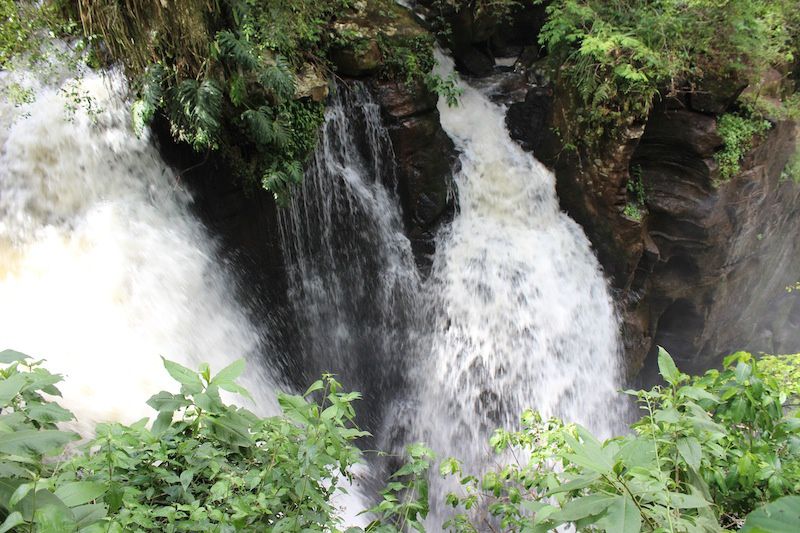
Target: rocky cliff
703 268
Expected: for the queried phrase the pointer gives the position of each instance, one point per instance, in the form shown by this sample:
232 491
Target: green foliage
224 74
784 369
618 56
443 11
633 211
792 169
738 133
708 451
25 23
202 465
780 516
404 502
636 189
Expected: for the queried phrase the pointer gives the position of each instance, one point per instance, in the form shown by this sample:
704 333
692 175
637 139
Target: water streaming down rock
523 317
102 266
353 282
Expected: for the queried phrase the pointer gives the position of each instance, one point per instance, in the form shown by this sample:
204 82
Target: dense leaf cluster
711 453
202 465
707 454
618 56
739 134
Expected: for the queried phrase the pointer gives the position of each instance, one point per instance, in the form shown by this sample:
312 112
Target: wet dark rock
425 157
358 60
703 273
473 60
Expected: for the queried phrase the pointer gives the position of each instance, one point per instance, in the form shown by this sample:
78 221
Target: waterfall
103 268
353 282
522 314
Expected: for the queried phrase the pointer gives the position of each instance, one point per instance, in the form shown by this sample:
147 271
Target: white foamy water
523 317
103 269
352 277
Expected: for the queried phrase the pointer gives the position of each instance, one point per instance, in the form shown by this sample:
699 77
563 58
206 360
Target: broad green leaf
20 493
780 516
579 482
80 492
743 371
690 450
232 428
317 385
30 503
49 413
183 375
12 356
697 394
582 507
589 453
622 516
53 518
166 401
10 387
41 379
86 515
39 442
186 479
637 453
163 421
687 501
230 373
667 368
12 520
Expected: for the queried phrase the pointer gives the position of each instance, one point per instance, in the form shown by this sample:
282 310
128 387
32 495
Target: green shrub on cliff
618 56
707 454
739 133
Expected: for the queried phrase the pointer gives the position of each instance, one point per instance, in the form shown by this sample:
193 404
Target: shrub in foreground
710 453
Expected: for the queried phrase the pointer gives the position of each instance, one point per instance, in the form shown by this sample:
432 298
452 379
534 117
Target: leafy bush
637 192
708 451
618 56
713 451
785 370
203 465
739 133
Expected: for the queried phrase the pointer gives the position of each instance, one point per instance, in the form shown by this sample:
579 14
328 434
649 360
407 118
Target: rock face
704 271
425 157
724 254
245 216
242 216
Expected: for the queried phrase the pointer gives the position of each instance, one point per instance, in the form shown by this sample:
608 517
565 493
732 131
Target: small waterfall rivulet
102 266
522 314
353 282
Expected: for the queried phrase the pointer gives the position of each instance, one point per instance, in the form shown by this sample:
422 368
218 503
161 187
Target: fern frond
187 96
208 107
152 92
294 170
259 125
237 90
240 11
280 133
238 50
279 79
277 183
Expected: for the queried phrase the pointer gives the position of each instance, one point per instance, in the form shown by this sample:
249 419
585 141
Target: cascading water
523 317
353 281
102 267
